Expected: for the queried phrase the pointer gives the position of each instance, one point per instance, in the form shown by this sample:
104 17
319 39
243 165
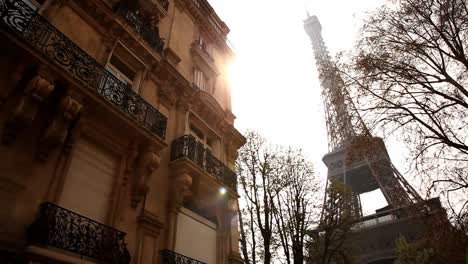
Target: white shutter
196 237
88 187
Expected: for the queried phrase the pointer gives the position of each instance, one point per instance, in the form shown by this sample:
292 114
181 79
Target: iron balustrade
171 257
61 228
143 26
37 32
423 208
187 146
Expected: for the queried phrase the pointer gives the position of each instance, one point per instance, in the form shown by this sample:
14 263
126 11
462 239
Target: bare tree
278 189
409 73
327 243
256 167
296 204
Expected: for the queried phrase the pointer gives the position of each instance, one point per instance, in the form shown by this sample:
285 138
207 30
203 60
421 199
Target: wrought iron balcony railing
61 228
171 257
188 147
35 31
143 26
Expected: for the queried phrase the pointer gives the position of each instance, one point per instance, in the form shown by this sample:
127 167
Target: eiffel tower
360 161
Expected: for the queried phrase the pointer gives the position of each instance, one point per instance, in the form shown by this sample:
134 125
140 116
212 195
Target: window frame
139 73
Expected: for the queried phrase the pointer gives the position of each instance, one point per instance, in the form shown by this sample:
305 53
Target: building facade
117 136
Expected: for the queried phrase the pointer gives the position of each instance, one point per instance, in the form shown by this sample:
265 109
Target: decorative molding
25 107
172 57
167 94
173 88
204 15
234 140
58 127
150 222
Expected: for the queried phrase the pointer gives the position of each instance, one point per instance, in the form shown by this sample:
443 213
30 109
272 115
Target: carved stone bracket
141 164
182 184
59 127
25 107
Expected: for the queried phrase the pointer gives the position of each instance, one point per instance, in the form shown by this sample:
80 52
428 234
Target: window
201 138
204 44
120 70
123 65
199 78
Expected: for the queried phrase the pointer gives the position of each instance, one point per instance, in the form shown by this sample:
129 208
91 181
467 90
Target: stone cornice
234 140
150 222
206 17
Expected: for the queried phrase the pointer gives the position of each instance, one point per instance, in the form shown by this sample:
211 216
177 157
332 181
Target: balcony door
88 186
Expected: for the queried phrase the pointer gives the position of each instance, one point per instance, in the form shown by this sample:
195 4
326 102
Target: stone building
117 136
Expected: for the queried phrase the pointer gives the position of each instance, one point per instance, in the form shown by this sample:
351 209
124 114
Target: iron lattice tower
355 157
342 120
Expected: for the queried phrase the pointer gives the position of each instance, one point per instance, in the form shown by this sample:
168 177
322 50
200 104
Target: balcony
188 147
35 31
143 26
171 257
63 229
417 210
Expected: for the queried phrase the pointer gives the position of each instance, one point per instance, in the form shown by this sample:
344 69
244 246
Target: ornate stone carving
167 94
59 126
182 184
142 163
25 107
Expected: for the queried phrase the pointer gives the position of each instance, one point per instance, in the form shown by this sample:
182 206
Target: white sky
275 88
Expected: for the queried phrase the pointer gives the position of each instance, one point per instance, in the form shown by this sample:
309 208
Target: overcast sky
275 89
